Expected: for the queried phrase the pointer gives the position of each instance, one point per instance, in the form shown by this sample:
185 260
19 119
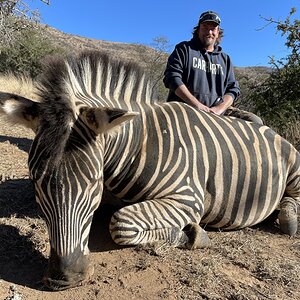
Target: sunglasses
210 17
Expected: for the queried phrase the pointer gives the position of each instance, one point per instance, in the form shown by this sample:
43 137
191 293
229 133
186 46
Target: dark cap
210 16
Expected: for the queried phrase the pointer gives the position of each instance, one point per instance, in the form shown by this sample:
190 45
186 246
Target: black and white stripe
196 167
172 165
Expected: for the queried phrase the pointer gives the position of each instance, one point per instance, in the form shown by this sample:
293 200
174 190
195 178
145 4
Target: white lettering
204 65
195 62
213 69
201 64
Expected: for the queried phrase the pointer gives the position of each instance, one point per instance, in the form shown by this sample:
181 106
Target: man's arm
183 93
232 86
232 91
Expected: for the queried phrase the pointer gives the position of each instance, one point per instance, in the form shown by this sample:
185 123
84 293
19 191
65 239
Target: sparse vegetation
26 53
15 18
155 59
22 44
249 78
277 98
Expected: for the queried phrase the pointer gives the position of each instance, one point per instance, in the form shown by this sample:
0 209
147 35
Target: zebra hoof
288 219
197 237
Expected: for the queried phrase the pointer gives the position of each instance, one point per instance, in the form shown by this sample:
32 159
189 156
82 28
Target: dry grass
22 85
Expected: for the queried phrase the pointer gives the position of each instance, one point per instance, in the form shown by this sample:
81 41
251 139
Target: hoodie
207 75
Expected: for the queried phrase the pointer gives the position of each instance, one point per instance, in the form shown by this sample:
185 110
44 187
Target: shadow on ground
23 144
100 239
20 262
17 198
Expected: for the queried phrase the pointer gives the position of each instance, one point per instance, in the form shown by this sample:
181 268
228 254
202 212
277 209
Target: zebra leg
288 218
149 224
190 237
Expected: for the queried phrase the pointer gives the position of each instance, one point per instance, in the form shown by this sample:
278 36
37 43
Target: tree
277 99
154 59
22 44
26 54
15 17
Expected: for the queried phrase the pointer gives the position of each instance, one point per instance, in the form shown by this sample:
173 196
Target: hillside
74 43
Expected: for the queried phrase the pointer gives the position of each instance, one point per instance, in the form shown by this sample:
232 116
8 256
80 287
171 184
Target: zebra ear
19 110
102 120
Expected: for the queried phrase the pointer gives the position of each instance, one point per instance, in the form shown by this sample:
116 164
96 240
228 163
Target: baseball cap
209 16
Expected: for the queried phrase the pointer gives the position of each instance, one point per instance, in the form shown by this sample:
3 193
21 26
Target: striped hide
99 125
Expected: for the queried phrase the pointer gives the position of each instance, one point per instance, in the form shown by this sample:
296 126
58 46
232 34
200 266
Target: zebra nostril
45 281
69 271
64 282
56 285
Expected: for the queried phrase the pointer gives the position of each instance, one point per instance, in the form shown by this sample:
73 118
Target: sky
247 39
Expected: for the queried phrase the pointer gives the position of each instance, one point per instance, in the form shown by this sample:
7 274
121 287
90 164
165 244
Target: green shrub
277 99
26 53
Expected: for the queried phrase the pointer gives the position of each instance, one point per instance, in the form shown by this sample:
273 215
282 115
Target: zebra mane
93 79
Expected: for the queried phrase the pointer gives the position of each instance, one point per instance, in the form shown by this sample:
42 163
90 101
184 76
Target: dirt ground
254 263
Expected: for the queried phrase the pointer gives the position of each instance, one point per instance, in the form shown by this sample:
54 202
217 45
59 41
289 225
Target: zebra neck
122 149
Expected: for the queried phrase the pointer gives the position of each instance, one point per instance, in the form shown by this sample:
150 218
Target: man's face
208 34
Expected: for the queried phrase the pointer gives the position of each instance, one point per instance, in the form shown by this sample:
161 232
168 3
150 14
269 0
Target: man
199 73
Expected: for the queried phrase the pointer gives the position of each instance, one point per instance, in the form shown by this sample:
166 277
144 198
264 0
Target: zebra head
66 166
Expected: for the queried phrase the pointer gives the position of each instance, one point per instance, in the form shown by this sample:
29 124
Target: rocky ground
254 263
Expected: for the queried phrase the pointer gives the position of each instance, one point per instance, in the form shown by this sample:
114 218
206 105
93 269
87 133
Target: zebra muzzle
67 272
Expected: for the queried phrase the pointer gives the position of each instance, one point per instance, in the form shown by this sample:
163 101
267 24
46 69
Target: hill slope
74 43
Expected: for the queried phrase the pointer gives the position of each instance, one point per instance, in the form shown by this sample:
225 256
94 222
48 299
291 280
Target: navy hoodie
208 76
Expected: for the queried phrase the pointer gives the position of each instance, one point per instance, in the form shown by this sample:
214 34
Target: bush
277 99
25 55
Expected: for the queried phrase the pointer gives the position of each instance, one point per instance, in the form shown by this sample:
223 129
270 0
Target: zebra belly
235 214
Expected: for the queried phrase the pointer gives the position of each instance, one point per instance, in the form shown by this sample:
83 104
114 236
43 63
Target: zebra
99 125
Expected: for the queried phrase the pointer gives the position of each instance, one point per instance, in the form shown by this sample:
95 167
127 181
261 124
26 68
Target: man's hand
218 110
222 107
183 93
202 107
